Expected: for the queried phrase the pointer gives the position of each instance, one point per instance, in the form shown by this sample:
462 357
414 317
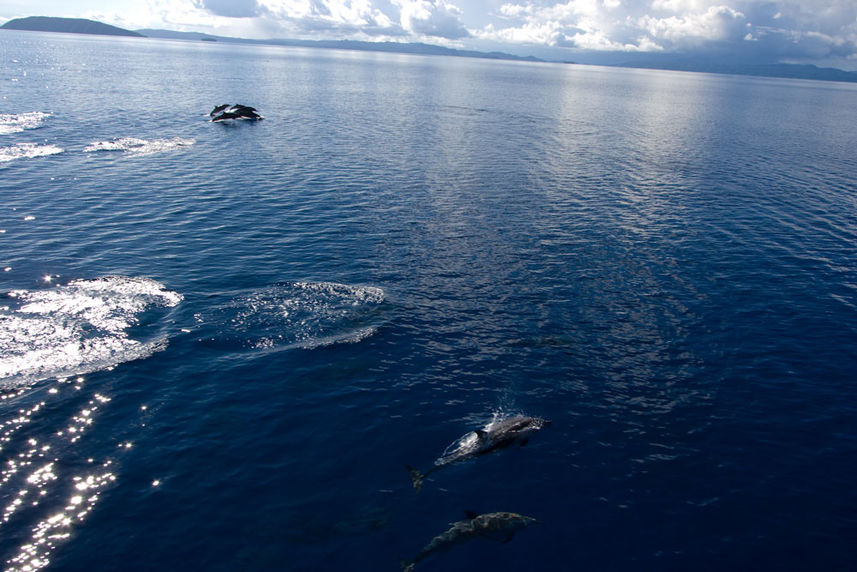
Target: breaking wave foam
27 151
17 122
303 314
134 146
77 328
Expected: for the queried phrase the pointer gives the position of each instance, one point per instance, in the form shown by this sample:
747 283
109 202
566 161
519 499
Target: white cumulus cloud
776 29
762 30
717 23
431 18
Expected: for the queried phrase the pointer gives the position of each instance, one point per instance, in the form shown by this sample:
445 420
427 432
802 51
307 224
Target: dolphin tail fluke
407 566
417 478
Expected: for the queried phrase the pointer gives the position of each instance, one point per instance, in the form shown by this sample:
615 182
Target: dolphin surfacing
497 434
498 526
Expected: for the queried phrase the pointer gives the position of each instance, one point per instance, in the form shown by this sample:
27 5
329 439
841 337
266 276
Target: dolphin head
519 424
527 520
500 526
517 519
508 521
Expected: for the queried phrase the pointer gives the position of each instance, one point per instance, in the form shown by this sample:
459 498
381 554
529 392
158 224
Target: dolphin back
497 526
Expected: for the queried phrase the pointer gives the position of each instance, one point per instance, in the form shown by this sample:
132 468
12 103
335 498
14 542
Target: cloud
776 29
417 18
746 30
435 18
230 8
716 24
338 18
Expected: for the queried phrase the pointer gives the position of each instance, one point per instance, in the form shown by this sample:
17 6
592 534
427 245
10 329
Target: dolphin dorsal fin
470 514
481 433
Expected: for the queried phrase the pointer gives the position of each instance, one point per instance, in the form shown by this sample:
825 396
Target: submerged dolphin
500 526
496 435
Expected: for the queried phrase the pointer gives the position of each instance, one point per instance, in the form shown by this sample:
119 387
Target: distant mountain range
81 26
392 47
67 25
793 71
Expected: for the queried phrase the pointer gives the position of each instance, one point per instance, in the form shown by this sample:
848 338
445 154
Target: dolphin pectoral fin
509 538
524 442
470 514
417 477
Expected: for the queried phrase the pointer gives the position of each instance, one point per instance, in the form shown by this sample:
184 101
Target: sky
821 32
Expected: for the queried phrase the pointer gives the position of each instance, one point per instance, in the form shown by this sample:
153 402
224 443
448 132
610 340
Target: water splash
134 146
17 122
77 328
27 151
302 314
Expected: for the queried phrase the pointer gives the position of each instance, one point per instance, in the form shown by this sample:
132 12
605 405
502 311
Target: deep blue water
221 344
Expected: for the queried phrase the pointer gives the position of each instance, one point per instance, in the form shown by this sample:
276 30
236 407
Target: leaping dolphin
499 526
498 434
237 111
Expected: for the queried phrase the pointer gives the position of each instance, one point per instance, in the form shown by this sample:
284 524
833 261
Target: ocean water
221 345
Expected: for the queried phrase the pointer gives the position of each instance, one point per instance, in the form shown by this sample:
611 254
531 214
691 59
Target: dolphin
236 111
498 434
499 526
226 115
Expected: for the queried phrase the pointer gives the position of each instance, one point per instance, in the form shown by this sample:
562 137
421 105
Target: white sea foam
354 337
77 328
17 122
27 151
296 314
134 146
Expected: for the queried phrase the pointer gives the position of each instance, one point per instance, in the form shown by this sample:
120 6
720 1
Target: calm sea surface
220 345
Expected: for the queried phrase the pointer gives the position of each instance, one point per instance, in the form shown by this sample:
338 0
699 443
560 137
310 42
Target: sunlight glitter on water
49 532
41 494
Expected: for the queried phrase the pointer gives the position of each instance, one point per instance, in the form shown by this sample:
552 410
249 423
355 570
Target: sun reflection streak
48 533
39 491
